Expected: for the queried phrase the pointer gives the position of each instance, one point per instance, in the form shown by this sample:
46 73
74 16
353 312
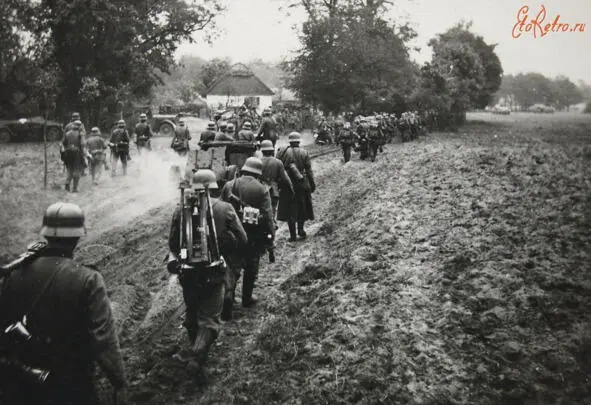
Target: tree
214 70
565 92
351 56
121 45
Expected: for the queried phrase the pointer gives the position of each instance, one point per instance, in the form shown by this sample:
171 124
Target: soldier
96 146
143 134
246 133
181 138
274 176
299 209
267 128
119 144
224 135
73 155
374 138
209 134
346 139
66 309
252 201
70 125
231 130
204 293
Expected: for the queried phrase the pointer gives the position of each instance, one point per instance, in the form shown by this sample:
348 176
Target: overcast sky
258 29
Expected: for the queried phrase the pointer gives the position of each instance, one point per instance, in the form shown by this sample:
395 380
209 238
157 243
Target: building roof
240 81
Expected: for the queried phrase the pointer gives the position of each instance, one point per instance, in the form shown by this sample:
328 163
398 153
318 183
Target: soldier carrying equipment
143 134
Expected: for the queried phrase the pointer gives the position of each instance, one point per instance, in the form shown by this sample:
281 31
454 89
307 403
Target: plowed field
453 270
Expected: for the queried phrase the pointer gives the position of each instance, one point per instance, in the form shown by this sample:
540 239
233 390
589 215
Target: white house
240 86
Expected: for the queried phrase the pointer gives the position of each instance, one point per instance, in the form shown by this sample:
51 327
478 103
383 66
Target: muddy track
129 250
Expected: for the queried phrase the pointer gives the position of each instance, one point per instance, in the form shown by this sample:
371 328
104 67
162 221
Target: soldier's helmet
373 125
182 122
223 126
78 123
294 137
267 145
120 123
95 130
143 117
246 125
75 116
253 165
63 220
204 179
266 112
230 127
211 125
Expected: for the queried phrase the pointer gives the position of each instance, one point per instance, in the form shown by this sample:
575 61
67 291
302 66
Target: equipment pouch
250 215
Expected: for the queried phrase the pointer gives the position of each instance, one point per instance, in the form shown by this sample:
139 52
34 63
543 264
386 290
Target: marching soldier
96 146
274 176
62 310
73 155
204 293
71 124
252 202
346 139
209 134
224 134
181 138
143 134
299 209
267 128
119 144
246 133
231 130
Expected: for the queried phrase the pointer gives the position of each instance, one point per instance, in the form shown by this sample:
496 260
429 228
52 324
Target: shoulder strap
45 287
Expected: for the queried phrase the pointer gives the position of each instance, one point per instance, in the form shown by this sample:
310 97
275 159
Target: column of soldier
56 314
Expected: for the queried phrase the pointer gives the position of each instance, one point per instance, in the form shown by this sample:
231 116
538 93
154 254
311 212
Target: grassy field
453 270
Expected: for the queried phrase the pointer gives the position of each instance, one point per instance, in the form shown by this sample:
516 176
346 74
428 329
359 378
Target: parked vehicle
29 130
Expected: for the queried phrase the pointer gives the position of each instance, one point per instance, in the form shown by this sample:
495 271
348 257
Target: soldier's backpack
249 215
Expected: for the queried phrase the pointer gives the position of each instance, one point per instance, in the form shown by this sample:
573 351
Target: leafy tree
213 70
121 45
565 92
351 56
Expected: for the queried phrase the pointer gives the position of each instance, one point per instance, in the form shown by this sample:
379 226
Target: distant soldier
346 139
224 134
61 312
299 209
209 134
75 117
119 144
73 155
246 133
252 202
96 146
143 134
231 130
181 138
374 138
267 128
274 176
204 291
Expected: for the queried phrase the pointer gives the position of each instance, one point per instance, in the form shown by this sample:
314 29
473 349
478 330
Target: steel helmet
230 127
253 165
95 129
246 125
294 137
63 220
78 123
143 117
223 125
211 125
121 123
204 179
267 145
75 116
181 122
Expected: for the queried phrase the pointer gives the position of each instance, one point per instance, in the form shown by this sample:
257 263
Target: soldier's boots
301 231
247 287
68 186
227 309
292 231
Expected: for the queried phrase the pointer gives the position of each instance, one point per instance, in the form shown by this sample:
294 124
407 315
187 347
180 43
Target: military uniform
207 136
96 145
299 209
204 299
70 125
180 141
143 136
267 130
119 143
275 177
346 139
223 137
73 156
69 316
251 193
245 135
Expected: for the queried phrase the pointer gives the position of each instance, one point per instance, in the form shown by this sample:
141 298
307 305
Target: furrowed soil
453 270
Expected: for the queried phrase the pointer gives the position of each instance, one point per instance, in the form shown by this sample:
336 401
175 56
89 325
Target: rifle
33 251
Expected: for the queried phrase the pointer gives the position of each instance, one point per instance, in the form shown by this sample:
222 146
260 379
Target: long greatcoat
299 206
